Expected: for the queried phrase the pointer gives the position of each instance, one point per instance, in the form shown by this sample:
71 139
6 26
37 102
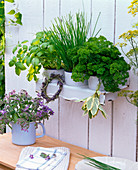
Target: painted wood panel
100 131
52 125
124 127
106 20
51 10
73 126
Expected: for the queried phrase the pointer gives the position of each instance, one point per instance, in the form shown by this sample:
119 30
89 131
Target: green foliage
99 57
67 33
131 96
92 104
131 38
2 50
17 15
23 109
98 164
39 53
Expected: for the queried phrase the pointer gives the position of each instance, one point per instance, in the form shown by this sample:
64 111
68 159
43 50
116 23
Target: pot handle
39 136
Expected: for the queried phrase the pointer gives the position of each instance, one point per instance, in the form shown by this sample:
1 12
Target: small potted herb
40 53
99 57
22 113
69 32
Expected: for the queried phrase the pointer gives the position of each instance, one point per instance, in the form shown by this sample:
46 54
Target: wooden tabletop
9 153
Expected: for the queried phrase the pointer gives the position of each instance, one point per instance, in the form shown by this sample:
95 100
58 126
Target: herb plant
99 57
39 53
21 108
69 32
130 38
98 164
92 106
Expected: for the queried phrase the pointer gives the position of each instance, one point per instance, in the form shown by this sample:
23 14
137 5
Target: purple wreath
46 83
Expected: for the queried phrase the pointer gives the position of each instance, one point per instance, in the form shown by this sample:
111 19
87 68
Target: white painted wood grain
106 20
124 128
51 11
73 126
51 125
100 131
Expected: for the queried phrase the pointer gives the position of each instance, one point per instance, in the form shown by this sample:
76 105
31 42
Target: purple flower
12 92
26 108
47 158
3 112
41 103
31 156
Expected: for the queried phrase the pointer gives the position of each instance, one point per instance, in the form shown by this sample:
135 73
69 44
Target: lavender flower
23 109
31 156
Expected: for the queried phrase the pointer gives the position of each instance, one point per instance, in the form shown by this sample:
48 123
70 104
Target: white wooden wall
115 136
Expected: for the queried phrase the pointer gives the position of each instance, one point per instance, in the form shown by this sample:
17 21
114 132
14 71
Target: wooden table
9 153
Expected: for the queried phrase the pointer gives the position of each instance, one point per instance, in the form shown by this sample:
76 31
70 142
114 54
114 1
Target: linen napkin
30 158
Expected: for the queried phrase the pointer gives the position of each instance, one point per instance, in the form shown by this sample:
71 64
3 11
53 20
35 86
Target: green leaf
102 111
19 22
44 45
15 117
25 47
11 12
11 1
34 49
11 63
35 78
85 113
18 15
35 61
51 48
30 77
25 41
90 103
14 49
35 42
39 54
20 66
28 61
95 107
90 114
17 71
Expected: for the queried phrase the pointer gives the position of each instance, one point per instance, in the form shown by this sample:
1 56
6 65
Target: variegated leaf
102 111
95 107
85 113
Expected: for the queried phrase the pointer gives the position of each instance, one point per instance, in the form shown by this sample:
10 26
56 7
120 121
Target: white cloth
60 162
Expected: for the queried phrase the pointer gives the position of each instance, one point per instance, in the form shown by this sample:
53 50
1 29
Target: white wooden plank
124 129
73 126
106 20
51 125
100 131
51 11
72 6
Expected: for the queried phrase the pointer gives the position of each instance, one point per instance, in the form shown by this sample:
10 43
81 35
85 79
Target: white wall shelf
76 93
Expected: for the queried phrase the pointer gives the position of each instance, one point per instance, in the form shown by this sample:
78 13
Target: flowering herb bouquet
22 109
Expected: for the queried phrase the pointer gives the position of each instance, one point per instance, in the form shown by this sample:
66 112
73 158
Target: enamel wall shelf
76 93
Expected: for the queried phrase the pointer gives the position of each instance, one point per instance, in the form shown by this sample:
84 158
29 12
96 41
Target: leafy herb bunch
68 32
23 109
99 57
39 53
